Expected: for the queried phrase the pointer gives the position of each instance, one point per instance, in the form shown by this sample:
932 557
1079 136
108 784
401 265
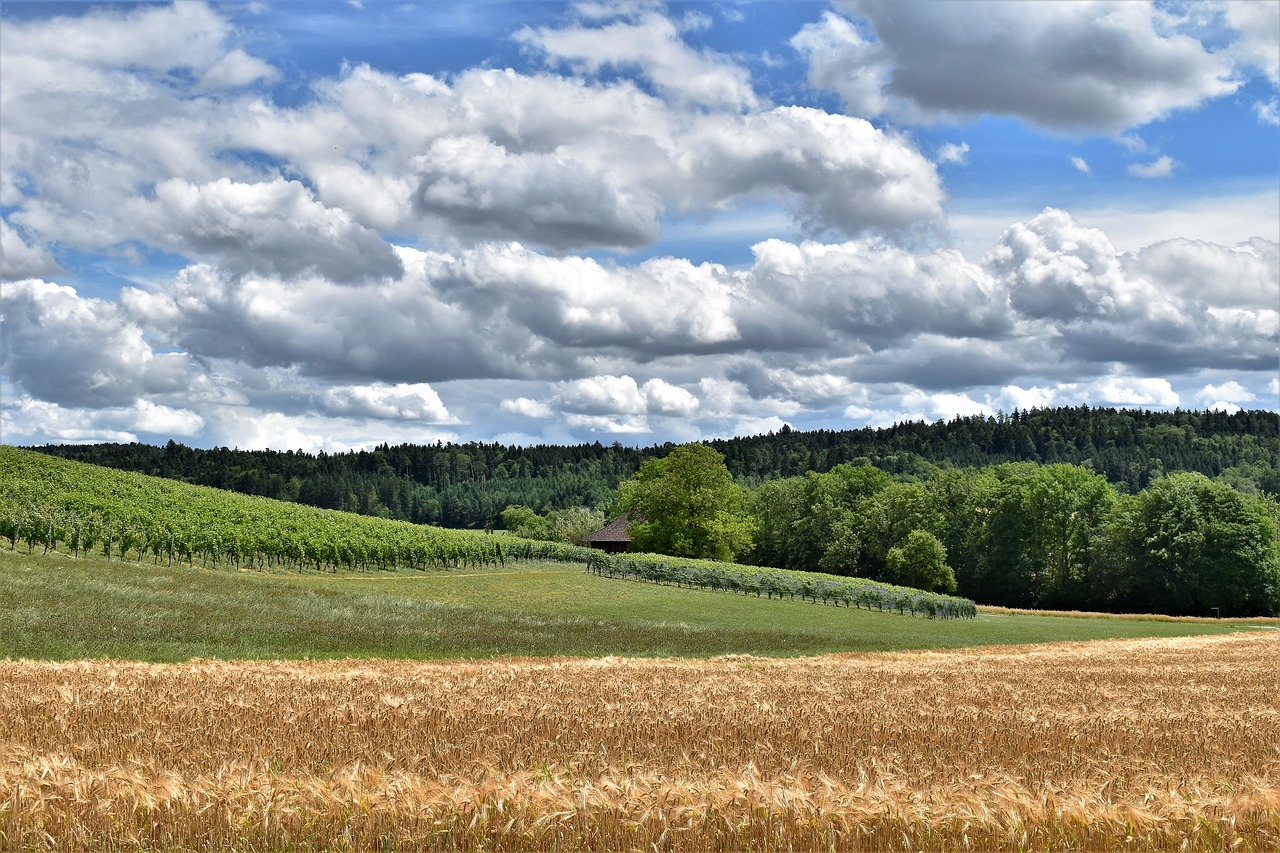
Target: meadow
59 607
1151 744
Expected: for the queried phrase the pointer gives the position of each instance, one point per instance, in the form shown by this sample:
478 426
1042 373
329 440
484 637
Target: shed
614 536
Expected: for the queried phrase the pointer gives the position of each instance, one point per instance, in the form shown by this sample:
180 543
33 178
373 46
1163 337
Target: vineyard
1153 745
49 503
782 583
45 502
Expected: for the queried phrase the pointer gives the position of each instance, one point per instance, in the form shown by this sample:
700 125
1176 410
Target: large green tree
1187 545
920 562
687 505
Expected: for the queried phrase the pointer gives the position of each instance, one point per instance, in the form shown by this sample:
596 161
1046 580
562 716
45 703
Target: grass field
1159 744
61 608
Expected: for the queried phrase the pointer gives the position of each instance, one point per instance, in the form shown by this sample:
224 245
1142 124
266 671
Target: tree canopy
687 505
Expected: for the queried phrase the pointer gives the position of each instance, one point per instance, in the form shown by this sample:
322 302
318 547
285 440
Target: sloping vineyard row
46 502
783 583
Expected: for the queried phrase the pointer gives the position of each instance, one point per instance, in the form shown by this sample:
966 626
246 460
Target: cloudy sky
329 225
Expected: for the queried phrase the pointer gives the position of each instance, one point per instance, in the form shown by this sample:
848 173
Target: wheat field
1168 744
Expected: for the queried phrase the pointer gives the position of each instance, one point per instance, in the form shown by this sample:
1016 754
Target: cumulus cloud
1140 310
527 408
602 395
807 326
1061 65
1257 45
83 99
643 38
1161 167
1081 165
402 401
1230 391
292 318
1136 391
273 227
69 350
953 153
20 260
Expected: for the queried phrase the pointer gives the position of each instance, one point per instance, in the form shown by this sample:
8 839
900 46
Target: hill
468 485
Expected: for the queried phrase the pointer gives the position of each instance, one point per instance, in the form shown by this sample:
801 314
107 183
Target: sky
327 225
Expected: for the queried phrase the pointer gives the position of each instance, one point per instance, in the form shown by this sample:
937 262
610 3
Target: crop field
1154 744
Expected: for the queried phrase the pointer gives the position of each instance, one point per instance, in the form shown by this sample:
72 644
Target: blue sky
330 224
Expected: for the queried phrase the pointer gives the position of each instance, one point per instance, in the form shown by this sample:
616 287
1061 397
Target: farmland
448 696
1160 744
63 608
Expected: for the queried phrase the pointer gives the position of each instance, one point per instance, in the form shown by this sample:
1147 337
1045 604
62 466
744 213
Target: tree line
468 485
1026 535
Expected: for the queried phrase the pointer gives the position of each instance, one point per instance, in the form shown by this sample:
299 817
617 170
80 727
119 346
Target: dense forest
468 485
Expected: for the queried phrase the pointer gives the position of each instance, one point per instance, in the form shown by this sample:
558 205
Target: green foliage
570 525
781 583
687 505
1046 536
575 524
467 485
1035 546
920 562
1186 545
46 502
524 522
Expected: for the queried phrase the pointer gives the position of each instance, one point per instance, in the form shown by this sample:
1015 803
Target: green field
61 608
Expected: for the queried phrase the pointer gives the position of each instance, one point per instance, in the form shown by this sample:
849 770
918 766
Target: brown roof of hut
613 536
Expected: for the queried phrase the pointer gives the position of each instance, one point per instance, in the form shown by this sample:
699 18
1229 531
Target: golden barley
1120 745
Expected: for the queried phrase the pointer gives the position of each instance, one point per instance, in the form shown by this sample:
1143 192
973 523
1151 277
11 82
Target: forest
469 485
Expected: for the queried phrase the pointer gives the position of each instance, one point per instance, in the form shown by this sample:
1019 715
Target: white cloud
20 260
1230 391
402 401
953 153
74 351
1258 24
647 40
557 162
1066 66
30 421
1161 167
663 398
1081 165
527 408
1014 397
1268 112
1134 391
847 59
165 420
602 395
942 406
273 227
148 134
758 426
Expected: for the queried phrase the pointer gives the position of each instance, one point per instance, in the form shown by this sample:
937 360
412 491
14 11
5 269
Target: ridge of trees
468 485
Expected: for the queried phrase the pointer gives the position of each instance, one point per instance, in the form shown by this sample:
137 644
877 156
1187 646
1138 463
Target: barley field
1160 744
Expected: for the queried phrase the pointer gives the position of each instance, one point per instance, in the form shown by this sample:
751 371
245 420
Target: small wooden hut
614 537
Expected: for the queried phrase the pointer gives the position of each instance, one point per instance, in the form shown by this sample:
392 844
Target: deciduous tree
688 504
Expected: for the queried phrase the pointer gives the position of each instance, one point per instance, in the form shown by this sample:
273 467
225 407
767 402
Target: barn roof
614 531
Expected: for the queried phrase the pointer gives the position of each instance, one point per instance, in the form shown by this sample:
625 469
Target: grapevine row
47 503
781 583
